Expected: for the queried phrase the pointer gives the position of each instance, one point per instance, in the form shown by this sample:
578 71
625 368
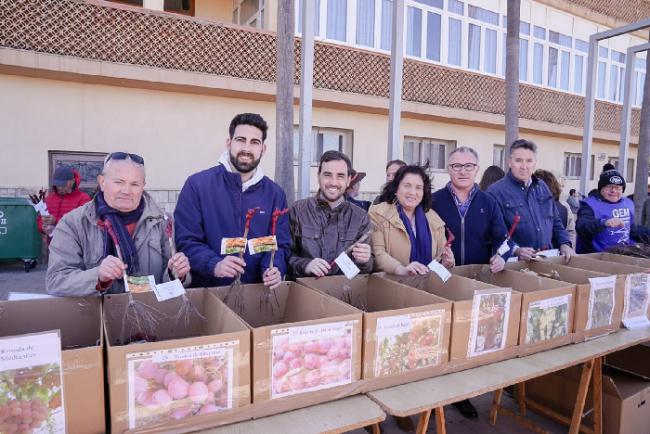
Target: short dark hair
390 189
252 119
491 175
400 163
523 144
573 190
335 156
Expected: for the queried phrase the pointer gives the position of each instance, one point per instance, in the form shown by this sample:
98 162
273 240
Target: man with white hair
83 257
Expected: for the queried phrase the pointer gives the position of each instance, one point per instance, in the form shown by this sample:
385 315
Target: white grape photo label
548 319
31 386
310 358
179 383
489 324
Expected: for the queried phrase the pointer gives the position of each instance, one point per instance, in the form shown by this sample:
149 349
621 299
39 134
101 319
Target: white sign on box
169 290
504 248
440 270
32 380
347 266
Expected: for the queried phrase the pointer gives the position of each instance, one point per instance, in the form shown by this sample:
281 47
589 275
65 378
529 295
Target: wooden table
421 397
339 416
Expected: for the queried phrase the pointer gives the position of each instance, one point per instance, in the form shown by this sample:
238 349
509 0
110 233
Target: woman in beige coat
408 234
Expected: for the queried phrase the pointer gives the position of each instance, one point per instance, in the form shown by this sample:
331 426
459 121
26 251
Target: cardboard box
620 269
603 315
406 331
626 399
214 351
634 360
476 338
547 306
304 325
80 323
621 259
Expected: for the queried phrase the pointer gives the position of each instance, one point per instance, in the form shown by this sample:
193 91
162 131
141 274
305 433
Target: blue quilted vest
603 210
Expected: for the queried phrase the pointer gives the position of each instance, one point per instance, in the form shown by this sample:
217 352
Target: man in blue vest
606 219
522 194
212 207
476 221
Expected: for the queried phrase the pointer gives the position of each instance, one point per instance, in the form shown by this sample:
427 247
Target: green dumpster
19 236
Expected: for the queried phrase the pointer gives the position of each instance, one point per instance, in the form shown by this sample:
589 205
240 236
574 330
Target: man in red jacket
64 197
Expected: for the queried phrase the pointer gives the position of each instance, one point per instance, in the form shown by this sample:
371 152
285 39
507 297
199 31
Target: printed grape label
139 284
547 319
637 299
602 299
409 342
31 384
179 383
309 358
488 330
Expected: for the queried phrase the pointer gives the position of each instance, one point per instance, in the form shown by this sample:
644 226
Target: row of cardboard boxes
313 340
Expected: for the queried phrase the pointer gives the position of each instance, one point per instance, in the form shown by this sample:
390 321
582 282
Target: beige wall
179 134
217 10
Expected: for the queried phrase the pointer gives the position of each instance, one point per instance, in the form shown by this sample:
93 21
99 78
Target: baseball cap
62 175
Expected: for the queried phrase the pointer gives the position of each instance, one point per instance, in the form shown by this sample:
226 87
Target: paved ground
13 278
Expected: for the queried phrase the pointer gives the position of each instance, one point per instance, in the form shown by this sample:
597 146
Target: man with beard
325 225
213 204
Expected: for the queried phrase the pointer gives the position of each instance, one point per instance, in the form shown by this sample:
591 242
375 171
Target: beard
244 167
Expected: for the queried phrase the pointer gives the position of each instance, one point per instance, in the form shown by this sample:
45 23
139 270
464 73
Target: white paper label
547 319
409 342
601 301
27 296
440 270
489 323
168 290
505 248
347 266
159 382
41 209
636 301
31 375
310 358
550 253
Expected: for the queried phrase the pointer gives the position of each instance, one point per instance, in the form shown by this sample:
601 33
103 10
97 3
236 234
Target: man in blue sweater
522 194
476 221
212 206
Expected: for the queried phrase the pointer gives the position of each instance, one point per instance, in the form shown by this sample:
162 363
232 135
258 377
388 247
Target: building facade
163 78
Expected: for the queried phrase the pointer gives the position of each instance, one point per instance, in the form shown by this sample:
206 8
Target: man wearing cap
606 219
84 259
64 197
353 190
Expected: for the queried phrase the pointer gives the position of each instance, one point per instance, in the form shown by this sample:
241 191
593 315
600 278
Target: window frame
449 146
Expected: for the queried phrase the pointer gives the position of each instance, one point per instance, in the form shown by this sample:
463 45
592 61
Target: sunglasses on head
123 156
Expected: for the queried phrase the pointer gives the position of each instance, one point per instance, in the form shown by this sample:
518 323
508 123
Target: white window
538 63
431 153
413 31
248 13
337 12
572 165
454 50
433 36
499 155
629 176
324 139
386 24
365 22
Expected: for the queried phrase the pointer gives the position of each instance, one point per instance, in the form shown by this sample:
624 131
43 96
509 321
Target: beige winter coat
77 250
390 241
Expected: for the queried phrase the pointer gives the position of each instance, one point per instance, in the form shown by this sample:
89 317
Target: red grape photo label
488 331
311 358
409 342
31 384
179 383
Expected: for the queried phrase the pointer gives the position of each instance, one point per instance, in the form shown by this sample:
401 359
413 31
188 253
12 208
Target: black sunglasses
123 156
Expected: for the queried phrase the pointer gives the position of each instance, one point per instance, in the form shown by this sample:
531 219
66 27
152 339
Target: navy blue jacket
540 226
212 206
479 234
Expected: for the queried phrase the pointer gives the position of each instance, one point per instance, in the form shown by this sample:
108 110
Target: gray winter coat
77 250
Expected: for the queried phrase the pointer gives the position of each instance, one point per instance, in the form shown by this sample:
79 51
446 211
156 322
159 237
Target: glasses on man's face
614 188
468 167
123 156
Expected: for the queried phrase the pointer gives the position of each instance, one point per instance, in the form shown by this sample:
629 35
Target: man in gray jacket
83 257
325 225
